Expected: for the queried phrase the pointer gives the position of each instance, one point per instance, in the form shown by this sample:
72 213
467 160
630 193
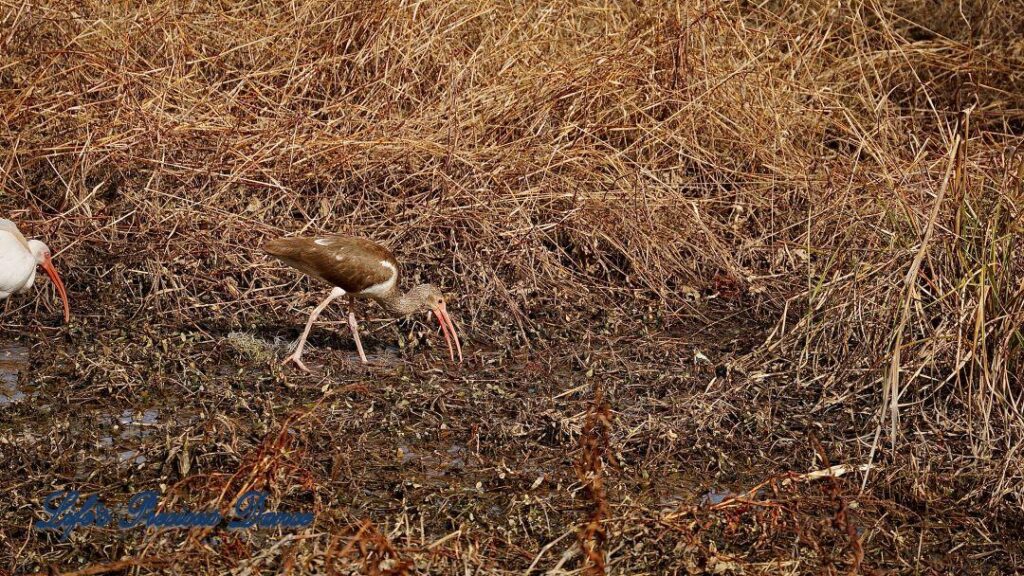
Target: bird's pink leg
296 356
355 331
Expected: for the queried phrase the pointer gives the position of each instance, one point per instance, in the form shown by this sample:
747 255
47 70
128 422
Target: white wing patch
386 286
322 241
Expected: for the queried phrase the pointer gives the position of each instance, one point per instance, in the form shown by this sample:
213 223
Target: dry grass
849 175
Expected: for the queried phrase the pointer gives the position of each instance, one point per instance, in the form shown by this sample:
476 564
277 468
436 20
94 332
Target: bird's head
428 298
43 258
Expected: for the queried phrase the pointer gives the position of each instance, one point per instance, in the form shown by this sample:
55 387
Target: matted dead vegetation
778 237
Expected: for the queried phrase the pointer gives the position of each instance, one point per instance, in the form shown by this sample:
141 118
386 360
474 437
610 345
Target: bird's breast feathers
388 285
17 265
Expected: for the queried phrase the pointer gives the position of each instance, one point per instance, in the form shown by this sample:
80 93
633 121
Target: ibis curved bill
448 327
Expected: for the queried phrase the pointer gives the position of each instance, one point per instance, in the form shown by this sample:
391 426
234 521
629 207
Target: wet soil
417 464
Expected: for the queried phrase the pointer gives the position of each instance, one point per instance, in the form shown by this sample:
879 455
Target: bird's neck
398 303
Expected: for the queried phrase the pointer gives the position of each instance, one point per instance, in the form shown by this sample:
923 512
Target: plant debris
740 284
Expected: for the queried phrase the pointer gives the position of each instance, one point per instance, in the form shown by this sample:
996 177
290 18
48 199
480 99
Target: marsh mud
416 461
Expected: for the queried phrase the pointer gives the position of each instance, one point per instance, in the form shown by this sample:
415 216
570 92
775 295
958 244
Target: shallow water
386 357
129 427
13 362
713 496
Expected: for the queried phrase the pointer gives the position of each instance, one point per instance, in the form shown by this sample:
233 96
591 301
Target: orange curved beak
52 273
448 327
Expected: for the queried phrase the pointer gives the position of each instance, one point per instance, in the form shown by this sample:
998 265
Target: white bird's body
17 263
18 260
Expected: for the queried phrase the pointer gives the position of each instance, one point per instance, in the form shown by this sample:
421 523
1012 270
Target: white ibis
359 268
18 260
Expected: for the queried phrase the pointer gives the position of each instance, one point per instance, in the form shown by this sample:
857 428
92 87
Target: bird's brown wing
352 264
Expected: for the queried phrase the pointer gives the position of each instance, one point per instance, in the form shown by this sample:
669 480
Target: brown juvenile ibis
18 260
359 268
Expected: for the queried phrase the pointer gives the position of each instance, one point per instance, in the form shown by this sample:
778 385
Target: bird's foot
297 359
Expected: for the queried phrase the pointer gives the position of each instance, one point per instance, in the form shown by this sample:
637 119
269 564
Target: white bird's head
40 250
43 258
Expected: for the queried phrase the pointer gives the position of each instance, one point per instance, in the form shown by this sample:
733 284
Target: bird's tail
290 251
283 248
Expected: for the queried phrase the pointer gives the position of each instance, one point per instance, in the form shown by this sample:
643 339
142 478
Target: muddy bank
419 463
